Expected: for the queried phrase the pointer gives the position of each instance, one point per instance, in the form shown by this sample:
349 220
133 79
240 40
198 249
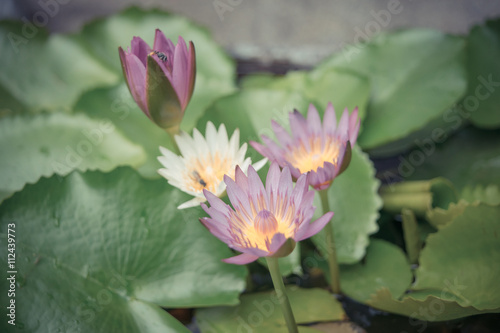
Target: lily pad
439 217
463 253
385 265
261 312
416 75
47 144
215 71
422 307
489 194
42 72
483 95
117 105
103 252
344 89
354 199
251 111
468 158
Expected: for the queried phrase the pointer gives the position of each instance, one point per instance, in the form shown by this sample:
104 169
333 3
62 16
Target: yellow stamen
265 225
310 159
207 172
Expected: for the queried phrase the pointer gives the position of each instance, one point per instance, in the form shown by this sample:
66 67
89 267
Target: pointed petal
343 128
191 203
180 72
273 179
282 135
237 196
140 49
354 123
310 229
298 125
123 61
285 182
240 178
241 259
301 187
256 191
216 203
345 160
163 44
258 165
329 120
191 75
313 120
137 81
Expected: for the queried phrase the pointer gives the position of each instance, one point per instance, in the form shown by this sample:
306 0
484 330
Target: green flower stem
172 132
330 246
274 269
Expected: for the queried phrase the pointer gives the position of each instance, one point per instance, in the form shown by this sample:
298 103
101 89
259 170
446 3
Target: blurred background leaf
483 93
415 76
47 144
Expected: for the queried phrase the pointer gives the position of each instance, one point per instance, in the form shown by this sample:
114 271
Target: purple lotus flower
161 79
323 151
265 222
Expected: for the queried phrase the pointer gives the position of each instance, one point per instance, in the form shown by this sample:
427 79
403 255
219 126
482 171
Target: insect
198 178
162 56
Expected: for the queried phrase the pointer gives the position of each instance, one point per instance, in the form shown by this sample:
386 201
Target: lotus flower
204 162
265 222
323 151
161 79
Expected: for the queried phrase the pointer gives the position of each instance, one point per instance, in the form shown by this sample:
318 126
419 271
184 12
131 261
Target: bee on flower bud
162 56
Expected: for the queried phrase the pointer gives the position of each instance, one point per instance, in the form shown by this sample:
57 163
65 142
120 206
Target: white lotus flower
204 162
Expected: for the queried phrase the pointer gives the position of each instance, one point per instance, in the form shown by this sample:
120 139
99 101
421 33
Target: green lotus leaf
460 257
354 199
105 252
47 144
416 75
261 312
483 93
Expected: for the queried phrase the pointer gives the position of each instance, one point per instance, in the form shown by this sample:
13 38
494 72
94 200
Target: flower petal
180 72
310 229
313 120
329 120
140 49
242 259
196 201
137 81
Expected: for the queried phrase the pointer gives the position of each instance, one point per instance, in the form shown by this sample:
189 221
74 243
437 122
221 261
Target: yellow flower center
267 221
207 172
313 157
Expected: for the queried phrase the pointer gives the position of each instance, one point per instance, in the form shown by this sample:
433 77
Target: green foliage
461 253
468 158
101 249
102 252
43 145
385 266
354 200
483 93
45 72
342 88
262 313
415 76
